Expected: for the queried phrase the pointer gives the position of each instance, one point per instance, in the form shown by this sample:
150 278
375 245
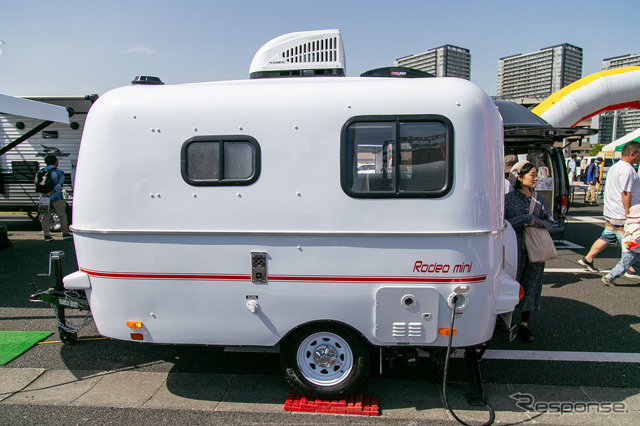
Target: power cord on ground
492 414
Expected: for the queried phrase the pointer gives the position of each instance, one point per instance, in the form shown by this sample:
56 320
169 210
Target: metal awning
33 109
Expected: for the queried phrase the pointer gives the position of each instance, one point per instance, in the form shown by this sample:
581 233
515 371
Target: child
630 247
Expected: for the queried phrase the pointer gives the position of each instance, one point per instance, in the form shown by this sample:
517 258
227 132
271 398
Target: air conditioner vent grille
313 52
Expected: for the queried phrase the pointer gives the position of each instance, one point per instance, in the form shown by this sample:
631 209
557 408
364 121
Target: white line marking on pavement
564 244
572 271
560 356
585 219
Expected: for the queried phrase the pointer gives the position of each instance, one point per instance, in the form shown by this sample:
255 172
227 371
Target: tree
595 150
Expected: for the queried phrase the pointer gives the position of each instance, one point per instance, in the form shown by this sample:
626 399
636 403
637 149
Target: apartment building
443 61
625 120
538 74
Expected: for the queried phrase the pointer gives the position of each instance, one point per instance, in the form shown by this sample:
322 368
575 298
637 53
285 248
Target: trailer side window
220 160
397 157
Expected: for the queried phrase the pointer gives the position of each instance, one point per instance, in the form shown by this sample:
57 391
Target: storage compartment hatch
407 314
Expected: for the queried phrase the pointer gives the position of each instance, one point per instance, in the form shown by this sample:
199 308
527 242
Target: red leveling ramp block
354 404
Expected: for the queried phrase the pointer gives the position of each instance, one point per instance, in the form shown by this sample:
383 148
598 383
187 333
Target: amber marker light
137 336
446 331
521 293
134 324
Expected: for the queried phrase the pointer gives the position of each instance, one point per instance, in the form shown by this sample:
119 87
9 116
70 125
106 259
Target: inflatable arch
609 90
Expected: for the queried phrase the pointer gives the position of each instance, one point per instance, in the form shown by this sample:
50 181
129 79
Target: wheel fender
293 330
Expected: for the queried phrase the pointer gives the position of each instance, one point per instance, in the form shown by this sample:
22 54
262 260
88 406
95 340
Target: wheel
325 361
66 337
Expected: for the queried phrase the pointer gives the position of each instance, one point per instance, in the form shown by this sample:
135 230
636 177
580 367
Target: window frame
346 166
222 140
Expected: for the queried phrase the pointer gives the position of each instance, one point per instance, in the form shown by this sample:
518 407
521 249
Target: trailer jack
61 299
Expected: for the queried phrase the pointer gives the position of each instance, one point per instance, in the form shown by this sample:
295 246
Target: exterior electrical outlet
259 267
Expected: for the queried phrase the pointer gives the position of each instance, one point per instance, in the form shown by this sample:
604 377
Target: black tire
325 361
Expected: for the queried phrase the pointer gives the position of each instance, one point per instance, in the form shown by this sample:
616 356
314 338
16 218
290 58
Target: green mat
15 343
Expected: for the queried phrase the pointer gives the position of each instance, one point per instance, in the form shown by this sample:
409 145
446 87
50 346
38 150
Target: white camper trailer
240 216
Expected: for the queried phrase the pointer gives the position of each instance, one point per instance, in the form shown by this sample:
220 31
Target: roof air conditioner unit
301 54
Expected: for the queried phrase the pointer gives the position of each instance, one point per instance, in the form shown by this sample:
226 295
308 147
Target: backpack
592 171
44 182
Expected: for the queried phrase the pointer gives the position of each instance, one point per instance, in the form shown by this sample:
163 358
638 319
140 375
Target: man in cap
56 202
593 178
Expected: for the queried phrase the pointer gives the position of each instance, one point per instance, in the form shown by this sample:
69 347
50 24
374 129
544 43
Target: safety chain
76 327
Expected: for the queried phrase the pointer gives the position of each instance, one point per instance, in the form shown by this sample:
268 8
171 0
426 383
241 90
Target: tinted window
202 161
397 157
225 160
238 160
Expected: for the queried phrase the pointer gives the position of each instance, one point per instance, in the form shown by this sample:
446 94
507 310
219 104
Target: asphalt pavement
583 368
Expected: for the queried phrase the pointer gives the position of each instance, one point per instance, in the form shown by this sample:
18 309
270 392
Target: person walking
582 170
593 178
517 207
630 247
572 167
620 193
52 199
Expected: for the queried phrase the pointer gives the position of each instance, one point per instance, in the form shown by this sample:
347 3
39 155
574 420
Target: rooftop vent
147 79
397 72
301 54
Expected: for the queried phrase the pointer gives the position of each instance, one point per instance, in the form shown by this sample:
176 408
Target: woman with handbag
530 215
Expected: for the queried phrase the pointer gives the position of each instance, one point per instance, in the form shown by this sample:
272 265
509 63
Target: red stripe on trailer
348 278
285 278
165 276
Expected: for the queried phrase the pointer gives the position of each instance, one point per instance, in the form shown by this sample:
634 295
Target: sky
58 47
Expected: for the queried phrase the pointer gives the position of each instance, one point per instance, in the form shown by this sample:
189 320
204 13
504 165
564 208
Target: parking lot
587 348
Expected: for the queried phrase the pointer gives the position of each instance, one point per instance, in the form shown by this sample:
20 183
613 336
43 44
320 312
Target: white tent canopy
33 109
620 142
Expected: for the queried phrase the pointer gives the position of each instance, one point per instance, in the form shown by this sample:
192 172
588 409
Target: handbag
538 242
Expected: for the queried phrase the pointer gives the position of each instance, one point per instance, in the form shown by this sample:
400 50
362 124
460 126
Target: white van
240 216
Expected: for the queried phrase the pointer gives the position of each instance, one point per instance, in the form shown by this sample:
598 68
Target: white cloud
140 51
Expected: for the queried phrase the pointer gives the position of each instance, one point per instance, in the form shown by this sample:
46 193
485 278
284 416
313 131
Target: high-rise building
443 61
625 120
539 74
621 61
